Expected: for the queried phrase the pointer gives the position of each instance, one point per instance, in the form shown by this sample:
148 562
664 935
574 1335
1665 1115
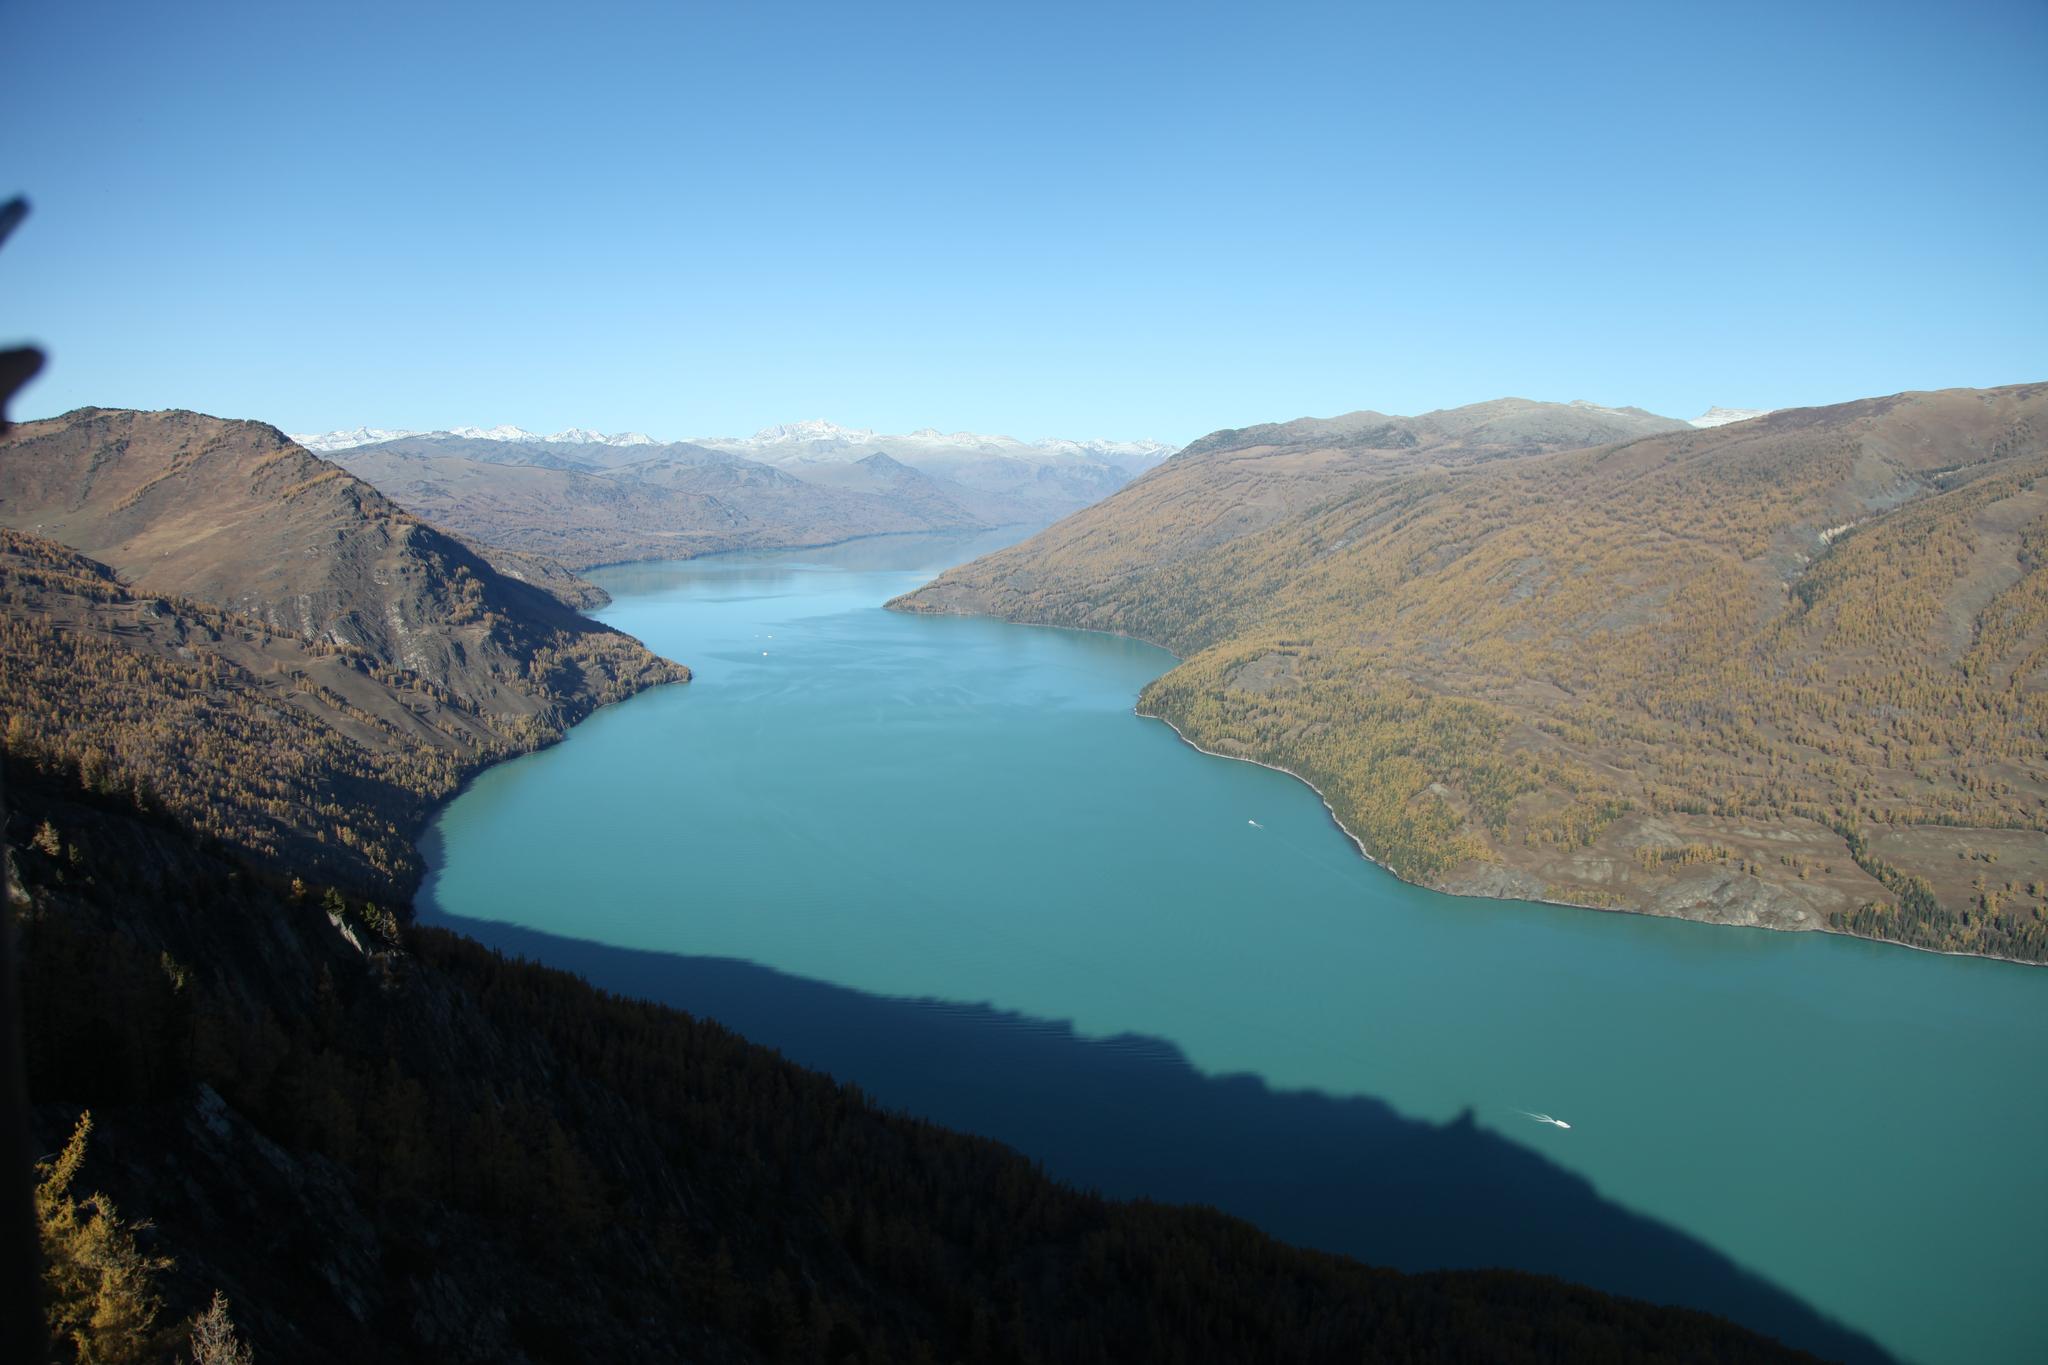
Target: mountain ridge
341 664
644 502
616 499
1637 675
778 434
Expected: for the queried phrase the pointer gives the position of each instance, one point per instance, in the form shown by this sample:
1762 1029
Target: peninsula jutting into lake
1786 671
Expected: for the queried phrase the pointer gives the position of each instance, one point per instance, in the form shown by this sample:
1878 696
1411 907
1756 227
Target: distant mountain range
812 441
659 502
586 498
824 442
329 441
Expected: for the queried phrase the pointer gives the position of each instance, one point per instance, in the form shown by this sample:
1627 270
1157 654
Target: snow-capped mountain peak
1114 450
496 433
1721 417
794 433
329 441
813 442
348 440
583 436
807 442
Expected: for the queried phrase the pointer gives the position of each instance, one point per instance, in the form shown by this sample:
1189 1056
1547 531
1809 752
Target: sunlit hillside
1788 671
263 646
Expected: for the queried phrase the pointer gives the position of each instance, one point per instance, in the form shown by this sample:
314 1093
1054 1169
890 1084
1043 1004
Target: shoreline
1545 900
429 817
1367 854
807 545
434 812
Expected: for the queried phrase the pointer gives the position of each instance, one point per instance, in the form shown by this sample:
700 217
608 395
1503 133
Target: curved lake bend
850 809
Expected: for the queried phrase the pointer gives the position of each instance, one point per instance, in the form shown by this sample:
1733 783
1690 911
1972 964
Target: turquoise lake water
960 810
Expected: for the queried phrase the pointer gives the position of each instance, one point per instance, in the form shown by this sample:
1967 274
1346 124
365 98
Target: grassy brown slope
232 514
290 662
1785 672
1234 483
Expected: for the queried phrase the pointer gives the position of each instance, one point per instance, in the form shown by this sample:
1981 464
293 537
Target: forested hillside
387 1143
1788 671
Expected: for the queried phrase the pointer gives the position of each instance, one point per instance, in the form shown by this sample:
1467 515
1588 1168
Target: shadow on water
1129 1116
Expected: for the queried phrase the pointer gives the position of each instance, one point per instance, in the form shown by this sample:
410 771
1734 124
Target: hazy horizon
1029 438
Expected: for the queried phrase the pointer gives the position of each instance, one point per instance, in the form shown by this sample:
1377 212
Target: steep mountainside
302 755
591 504
542 571
266 644
234 515
393 1144
1787 671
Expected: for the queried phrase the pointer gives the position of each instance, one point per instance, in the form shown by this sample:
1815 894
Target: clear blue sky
1096 220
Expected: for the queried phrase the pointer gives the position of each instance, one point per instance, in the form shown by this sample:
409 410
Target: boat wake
1543 1118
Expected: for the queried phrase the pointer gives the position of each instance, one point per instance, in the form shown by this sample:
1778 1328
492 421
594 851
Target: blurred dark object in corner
19 365
21 1262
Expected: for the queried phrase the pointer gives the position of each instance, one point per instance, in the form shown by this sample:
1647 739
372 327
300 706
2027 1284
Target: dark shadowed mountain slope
431 1152
1130 1116
1788 671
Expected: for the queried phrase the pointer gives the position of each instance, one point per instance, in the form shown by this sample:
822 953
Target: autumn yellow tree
214 1340
101 1299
